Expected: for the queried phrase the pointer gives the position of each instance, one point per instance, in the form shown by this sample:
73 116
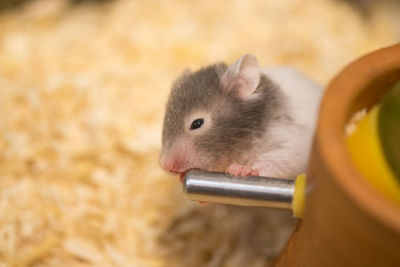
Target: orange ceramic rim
345 90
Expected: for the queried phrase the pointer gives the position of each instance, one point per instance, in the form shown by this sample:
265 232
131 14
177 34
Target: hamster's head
213 116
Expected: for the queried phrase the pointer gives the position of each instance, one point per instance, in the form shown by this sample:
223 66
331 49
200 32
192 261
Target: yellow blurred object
367 153
299 196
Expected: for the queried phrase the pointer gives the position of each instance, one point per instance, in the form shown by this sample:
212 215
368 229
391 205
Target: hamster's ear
242 76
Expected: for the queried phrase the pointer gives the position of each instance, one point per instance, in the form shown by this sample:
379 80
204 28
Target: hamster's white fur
289 158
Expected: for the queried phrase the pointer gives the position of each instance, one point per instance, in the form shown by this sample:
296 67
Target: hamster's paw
241 170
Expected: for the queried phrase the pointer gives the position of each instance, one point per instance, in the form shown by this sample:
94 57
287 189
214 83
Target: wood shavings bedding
82 91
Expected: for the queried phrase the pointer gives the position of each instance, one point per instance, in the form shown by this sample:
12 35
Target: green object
389 128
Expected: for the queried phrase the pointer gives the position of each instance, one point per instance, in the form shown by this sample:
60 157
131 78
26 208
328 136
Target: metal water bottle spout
255 191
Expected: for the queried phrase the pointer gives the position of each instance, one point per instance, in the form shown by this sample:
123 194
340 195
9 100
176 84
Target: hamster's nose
169 164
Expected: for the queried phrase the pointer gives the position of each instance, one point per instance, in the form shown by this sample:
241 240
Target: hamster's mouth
182 176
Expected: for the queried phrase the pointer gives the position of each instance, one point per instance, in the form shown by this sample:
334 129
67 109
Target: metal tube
253 191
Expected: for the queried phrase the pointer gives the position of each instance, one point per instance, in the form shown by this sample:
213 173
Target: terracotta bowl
346 221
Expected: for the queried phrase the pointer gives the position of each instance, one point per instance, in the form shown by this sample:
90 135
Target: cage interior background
83 85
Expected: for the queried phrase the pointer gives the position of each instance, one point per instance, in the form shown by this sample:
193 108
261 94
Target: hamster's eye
196 124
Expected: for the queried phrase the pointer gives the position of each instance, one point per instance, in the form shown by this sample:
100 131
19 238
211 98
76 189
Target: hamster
240 119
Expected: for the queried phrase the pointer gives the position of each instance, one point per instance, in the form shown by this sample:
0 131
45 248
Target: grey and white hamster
240 119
